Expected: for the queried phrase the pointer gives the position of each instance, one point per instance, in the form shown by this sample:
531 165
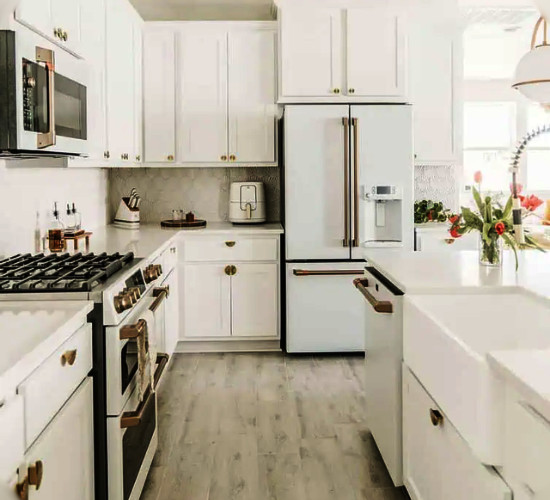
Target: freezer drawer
324 311
383 306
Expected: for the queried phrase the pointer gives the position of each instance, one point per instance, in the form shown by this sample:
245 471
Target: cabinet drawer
527 446
229 248
11 437
438 464
49 386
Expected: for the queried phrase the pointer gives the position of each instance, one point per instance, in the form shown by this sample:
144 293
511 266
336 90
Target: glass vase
490 254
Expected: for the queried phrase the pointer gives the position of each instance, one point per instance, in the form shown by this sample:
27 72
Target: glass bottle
56 241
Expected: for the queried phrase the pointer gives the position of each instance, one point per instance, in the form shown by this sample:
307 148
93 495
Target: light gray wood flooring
265 427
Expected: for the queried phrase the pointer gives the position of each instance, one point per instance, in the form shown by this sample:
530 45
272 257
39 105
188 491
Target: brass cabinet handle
346 243
227 270
233 270
22 489
170 157
230 244
138 157
379 306
336 90
436 417
106 154
232 158
352 91
355 238
68 357
36 472
65 36
223 158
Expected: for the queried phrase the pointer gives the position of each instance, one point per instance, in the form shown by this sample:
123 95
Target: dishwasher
383 367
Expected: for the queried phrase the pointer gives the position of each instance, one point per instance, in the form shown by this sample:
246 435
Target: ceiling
229 10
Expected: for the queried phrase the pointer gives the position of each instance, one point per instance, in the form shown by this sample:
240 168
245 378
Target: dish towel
151 338
144 367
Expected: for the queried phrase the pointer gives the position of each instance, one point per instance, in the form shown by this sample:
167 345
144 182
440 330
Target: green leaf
477 198
512 244
472 220
533 243
508 208
486 229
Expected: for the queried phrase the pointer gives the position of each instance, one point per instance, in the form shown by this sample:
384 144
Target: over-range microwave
43 108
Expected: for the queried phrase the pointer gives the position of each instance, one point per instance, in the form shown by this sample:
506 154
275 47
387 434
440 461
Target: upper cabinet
57 20
209 94
435 76
341 55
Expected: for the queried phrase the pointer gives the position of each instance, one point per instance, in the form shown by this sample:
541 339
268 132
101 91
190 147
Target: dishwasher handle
384 307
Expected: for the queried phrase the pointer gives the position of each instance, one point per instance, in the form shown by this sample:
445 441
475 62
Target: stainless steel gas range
123 289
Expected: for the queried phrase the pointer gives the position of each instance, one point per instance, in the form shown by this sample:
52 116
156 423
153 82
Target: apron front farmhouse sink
446 340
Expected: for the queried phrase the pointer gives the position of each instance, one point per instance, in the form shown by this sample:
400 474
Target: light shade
532 76
544 8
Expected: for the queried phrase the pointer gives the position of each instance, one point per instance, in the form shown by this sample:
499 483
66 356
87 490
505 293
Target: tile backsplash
437 183
205 191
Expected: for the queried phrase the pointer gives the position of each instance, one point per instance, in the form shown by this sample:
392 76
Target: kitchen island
469 356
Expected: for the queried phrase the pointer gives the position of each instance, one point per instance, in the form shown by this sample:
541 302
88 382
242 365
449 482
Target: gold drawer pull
68 357
223 157
230 244
436 417
232 158
230 270
36 472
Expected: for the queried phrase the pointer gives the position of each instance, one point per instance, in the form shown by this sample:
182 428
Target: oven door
51 97
132 441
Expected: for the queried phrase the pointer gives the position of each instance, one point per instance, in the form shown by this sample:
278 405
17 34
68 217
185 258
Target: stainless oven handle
384 307
160 294
134 418
302 273
48 58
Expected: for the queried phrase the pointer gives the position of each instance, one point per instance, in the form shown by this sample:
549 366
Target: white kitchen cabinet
255 301
438 464
11 437
375 53
58 20
206 310
311 51
341 55
435 75
203 118
159 95
66 451
252 95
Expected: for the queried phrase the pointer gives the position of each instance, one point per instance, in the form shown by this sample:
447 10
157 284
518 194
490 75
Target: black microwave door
70 108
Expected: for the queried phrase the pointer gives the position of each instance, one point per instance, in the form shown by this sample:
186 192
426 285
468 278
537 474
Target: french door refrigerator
335 155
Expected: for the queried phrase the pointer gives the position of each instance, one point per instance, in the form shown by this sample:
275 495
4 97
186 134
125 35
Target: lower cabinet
64 452
230 300
438 463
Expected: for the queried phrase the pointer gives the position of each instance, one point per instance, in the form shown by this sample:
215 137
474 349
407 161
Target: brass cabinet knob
106 154
352 91
227 270
170 157
68 358
65 36
138 157
223 158
436 417
233 270
230 244
232 158
336 90
36 471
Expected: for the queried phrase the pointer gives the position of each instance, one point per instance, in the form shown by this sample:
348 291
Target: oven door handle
384 307
48 58
160 293
133 331
134 418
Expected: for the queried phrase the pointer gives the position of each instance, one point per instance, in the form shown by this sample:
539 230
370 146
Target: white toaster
247 202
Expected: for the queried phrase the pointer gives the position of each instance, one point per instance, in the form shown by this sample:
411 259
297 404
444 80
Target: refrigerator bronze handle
384 307
346 242
303 273
355 123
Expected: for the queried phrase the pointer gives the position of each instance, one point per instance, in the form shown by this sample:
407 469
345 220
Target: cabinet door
66 449
433 53
36 14
66 16
92 30
206 301
311 52
252 96
159 96
255 300
120 81
172 313
375 53
202 71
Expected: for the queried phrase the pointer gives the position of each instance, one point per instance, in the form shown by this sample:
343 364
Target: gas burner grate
59 272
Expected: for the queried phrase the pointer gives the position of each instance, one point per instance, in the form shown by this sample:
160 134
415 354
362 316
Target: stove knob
159 268
130 293
137 292
122 302
148 274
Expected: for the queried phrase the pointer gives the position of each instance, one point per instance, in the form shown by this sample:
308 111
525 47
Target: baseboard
229 346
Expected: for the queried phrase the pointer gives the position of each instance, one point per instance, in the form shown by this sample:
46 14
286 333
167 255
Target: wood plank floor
265 427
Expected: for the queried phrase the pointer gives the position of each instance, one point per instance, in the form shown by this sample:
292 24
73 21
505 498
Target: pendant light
543 7
532 76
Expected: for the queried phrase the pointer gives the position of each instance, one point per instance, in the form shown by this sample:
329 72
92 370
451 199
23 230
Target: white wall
24 190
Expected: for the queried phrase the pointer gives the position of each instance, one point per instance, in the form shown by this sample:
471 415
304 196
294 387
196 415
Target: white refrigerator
336 157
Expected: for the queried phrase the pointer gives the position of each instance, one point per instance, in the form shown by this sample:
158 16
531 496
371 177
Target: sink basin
446 339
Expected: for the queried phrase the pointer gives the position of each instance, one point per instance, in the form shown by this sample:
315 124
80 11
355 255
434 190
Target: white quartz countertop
150 237
31 331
